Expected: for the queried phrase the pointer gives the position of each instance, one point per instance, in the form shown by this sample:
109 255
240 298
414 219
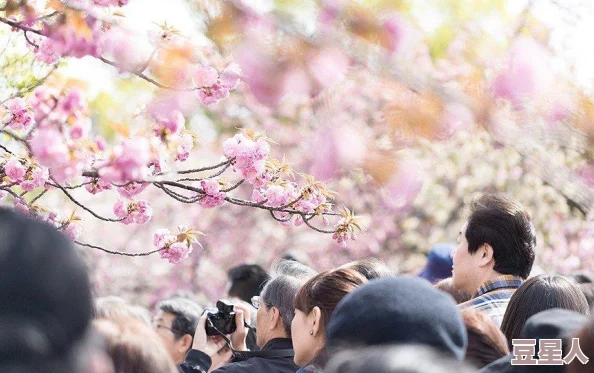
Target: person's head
552 324
586 338
133 346
582 277
585 282
45 298
112 306
439 263
537 294
276 306
370 267
397 310
446 285
246 281
486 343
497 239
175 323
314 305
395 359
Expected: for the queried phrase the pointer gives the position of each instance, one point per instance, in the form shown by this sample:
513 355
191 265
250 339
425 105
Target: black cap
398 310
45 296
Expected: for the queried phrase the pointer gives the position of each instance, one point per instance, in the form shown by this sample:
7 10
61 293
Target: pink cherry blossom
527 72
38 178
230 76
176 252
279 196
80 128
210 187
205 76
46 52
21 207
138 212
212 95
14 169
106 3
162 237
129 161
173 123
395 29
49 148
328 67
257 196
72 230
97 185
132 189
186 143
74 101
20 116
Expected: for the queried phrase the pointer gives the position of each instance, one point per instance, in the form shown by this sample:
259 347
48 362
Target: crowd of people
477 306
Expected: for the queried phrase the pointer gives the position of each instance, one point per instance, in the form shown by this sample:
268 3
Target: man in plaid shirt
494 255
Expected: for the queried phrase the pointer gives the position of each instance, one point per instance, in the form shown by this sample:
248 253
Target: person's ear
185 343
485 255
275 318
315 317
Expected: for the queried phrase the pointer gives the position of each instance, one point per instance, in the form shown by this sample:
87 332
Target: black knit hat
45 297
398 310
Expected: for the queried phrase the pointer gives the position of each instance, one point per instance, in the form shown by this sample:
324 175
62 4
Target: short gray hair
287 278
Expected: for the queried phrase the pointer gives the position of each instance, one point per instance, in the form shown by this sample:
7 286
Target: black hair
505 225
538 294
187 313
247 280
370 268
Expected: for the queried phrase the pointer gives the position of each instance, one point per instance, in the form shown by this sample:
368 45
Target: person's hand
204 343
239 337
221 358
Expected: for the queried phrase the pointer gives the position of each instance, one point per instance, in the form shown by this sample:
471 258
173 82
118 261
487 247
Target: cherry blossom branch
20 26
306 221
218 173
83 206
38 197
123 253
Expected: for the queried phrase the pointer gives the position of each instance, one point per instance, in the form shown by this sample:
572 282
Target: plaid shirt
492 298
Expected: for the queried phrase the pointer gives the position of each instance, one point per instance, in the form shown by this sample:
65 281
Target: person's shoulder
261 365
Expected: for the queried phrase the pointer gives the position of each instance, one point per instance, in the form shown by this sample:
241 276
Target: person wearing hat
45 299
439 263
552 324
397 310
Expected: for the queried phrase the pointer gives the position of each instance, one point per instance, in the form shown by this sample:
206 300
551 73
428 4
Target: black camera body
221 320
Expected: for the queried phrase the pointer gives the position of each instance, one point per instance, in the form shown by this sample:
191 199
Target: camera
221 319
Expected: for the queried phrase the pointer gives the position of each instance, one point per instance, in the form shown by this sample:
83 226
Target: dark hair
45 298
446 285
370 267
582 277
588 291
186 313
395 359
486 343
133 346
247 280
325 290
538 294
505 225
586 338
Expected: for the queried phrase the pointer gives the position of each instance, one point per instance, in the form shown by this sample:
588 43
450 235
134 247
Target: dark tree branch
118 252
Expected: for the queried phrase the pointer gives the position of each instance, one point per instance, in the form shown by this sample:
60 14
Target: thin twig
84 207
20 26
118 252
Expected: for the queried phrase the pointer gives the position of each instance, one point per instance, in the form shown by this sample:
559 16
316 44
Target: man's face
263 323
162 323
465 267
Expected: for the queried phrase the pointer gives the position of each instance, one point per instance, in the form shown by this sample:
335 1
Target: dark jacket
198 362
